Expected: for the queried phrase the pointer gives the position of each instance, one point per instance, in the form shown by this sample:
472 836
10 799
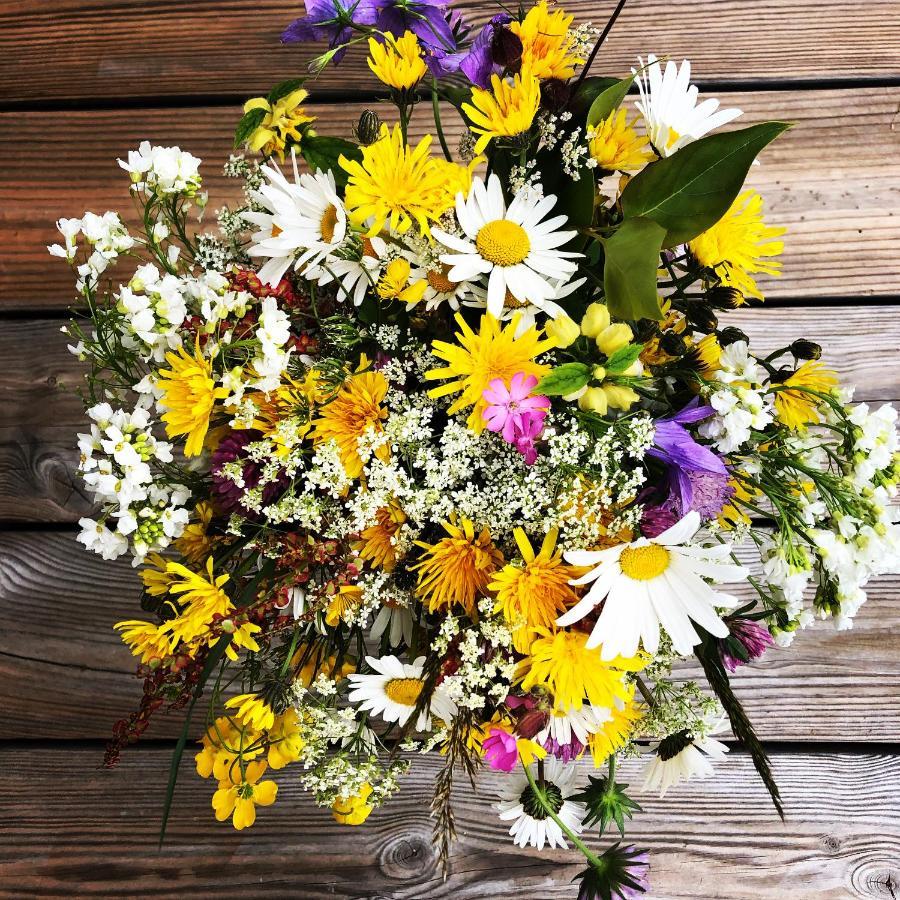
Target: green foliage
284 88
630 269
322 153
623 358
564 379
688 192
249 122
606 802
608 100
587 92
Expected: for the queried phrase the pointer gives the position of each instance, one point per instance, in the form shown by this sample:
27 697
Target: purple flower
478 63
622 875
425 18
331 20
565 752
749 635
512 410
501 750
228 494
441 61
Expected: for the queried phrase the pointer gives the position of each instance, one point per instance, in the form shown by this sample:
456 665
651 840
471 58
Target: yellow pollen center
276 230
511 302
672 138
438 279
368 249
328 223
644 563
404 691
502 242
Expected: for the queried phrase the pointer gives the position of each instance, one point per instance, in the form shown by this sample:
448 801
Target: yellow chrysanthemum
252 711
285 743
345 601
456 179
355 410
574 675
534 594
478 359
241 792
156 576
188 393
741 244
202 599
284 415
376 543
707 354
398 61
394 283
616 145
458 568
395 183
798 408
283 122
354 810
146 640
547 42
615 732
194 543
507 110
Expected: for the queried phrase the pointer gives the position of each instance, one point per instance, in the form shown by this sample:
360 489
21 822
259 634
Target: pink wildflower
512 409
501 750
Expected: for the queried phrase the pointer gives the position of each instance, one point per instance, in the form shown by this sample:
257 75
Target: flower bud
599 373
723 297
731 335
562 331
367 128
701 316
619 396
555 95
593 400
803 349
596 318
614 337
506 48
673 344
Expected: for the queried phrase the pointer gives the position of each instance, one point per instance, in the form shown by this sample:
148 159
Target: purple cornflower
753 637
478 64
512 410
425 18
331 20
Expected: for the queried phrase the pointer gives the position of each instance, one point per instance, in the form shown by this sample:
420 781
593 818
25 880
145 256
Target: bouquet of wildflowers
432 449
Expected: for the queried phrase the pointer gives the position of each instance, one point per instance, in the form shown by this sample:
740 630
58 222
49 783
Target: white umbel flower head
531 826
669 106
303 221
515 248
651 582
393 689
683 756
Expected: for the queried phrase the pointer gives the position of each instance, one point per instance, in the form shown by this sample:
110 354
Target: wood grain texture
72 829
65 49
64 672
833 180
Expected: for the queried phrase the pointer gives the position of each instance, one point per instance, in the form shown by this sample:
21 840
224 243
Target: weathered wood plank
72 829
64 673
820 180
61 49
40 412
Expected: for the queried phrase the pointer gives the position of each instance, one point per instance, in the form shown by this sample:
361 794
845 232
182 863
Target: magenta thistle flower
501 750
511 409
748 641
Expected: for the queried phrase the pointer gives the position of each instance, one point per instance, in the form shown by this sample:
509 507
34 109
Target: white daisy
682 756
531 826
303 221
528 312
651 582
393 689
356 271
440 289
513 247
394 620
579 724
669 106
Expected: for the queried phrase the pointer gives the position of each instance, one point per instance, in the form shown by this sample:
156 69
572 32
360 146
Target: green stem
436 109
591 857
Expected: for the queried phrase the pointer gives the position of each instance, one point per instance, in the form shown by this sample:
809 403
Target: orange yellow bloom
241 792
796 401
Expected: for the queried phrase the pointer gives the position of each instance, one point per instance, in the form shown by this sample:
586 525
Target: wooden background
81 82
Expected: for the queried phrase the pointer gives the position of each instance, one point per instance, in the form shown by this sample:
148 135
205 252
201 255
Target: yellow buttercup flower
398 61
355 410
394 283
376 543
458 568
395 184
225 744
285 743
283 122
616 146
740 245
241 792
798 408
534 594
241 639
507 110
189 394
548 45
479 358
354 810
252 711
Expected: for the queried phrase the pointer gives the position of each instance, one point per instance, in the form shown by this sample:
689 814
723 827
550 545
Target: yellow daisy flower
241 792
798 408
397 62
616 145
478 359
547 42
282 123
458 568
615 732
396 184
252 711
155 575
740 244
194 543
145 640
343 602
376 543
507 110
202 598
354 810
536 593
394 283
355 410
733 513
189 394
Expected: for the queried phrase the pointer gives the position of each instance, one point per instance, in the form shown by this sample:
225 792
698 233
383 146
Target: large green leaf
249 122
284 88
608 100
588 91
322 153
691 190
629 272
564 379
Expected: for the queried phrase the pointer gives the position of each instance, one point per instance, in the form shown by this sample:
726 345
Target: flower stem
612 21
436 108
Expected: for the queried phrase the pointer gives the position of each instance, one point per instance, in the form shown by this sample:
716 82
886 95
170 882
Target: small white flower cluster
549 129
272 333
116 465
154 309
105 237
163 171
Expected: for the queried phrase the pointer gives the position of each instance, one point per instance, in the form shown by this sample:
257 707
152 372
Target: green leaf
630 269
623 358
212 660
608 101
250 121
588 91
564 379
322 153
691 190
284 88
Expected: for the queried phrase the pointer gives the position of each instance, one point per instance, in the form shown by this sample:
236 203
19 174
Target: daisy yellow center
404 691
672 139
328 222
438 279
644 563
276 230
368 249
502 242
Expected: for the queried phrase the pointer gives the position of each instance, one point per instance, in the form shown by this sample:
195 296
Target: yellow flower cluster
283 122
